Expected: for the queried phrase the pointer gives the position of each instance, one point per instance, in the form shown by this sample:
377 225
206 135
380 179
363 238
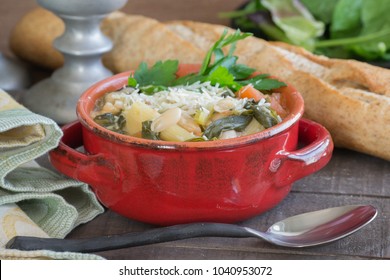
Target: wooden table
349 178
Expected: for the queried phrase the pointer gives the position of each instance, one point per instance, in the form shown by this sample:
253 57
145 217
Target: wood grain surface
349 178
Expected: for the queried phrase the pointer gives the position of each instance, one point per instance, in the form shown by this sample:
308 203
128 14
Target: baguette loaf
350 98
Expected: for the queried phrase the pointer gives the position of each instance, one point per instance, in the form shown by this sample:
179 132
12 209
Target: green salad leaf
361 28
346 19
251 7
295 20
375 18
353 28
320 9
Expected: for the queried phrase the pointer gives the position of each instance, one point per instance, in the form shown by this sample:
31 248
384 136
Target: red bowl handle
314 155
90 169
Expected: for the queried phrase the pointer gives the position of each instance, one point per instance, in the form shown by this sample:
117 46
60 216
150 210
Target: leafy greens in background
321 10
295 21
336 28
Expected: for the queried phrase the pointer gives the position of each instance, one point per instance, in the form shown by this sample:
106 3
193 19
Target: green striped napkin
33 200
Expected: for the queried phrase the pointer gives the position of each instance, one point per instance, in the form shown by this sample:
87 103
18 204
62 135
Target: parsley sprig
156 78
224 70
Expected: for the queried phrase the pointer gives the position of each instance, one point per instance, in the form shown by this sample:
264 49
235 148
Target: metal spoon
304 230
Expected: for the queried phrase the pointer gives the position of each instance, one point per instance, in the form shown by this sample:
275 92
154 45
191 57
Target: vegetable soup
223 100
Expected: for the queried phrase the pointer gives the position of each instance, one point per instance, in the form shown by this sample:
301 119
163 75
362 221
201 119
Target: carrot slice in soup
249 91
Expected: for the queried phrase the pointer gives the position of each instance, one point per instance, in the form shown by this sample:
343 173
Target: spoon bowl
304 230
319 227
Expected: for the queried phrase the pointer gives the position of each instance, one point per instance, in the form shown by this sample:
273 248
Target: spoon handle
132 239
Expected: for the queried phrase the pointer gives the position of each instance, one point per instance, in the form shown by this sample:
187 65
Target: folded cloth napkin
34 200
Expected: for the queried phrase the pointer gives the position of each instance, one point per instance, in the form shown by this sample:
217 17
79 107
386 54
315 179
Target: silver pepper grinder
82 45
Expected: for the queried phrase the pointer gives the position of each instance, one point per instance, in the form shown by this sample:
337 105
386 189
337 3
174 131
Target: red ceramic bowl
167 183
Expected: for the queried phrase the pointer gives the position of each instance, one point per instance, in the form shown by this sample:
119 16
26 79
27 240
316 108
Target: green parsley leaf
227 62
223 41
222 76
261 82
224 71
163 73
241 71
189 79
132 82
150 90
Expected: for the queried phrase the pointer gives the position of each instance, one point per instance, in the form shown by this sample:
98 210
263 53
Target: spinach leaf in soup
237 123
147 132
265 116
112 122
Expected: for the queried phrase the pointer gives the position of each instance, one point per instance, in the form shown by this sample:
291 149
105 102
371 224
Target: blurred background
200 10
12 11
